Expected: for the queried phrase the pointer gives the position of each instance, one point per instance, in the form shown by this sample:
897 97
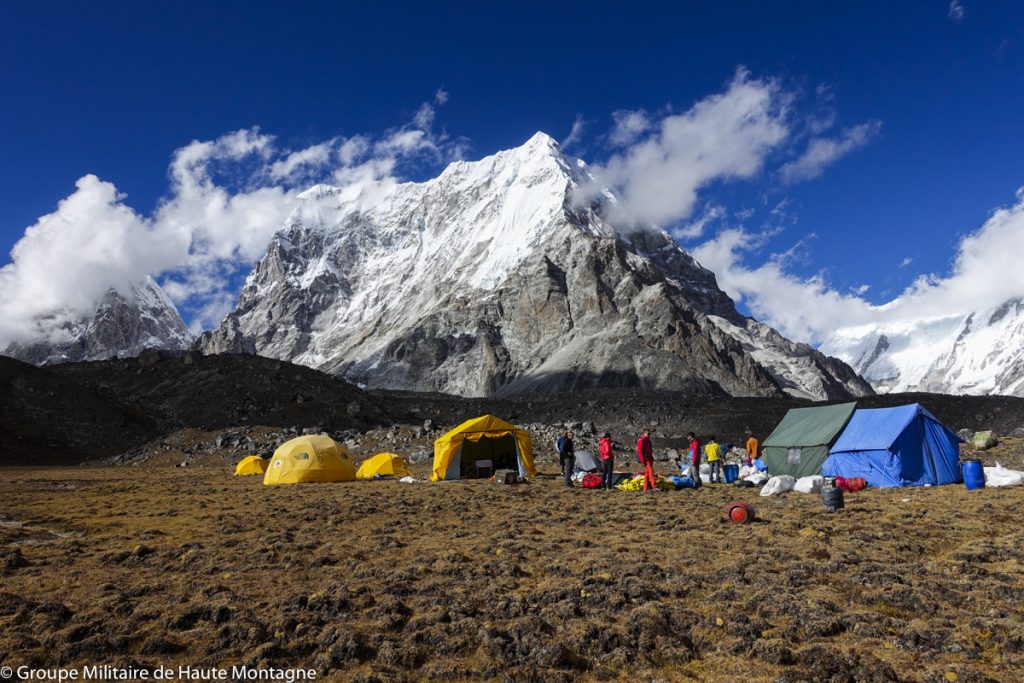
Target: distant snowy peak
495 277
122 325
978 353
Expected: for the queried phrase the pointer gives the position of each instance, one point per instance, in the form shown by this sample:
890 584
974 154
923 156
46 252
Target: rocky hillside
492 280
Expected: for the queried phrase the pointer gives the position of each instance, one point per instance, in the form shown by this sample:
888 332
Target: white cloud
985 273
629 125
727 135
310 159
441 96
68 259
696 228
907 260
956 11
227 197
575 133
823 152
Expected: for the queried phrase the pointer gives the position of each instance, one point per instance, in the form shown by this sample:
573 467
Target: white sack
779 484
1000 476
811 484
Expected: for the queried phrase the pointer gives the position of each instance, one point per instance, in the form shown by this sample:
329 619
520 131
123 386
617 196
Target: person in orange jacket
645 454
753 448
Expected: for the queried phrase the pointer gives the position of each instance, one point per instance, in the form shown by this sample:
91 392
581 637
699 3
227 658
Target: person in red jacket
693 456
604 447
645 454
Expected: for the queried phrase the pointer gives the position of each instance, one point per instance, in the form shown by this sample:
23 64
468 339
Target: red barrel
741 513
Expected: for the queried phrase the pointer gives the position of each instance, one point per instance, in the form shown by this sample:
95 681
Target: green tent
801 442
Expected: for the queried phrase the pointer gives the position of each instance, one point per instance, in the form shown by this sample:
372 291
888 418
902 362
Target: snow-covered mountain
122 325
489 279
979 353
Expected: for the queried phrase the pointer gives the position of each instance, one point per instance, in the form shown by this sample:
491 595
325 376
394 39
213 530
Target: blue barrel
974 474
731 473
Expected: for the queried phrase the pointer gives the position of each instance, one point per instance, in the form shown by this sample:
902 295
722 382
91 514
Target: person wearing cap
604 448
645 454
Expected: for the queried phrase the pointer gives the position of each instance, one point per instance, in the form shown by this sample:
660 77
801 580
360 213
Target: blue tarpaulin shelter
901 446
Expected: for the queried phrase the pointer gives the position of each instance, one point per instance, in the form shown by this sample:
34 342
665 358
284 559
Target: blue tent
902 446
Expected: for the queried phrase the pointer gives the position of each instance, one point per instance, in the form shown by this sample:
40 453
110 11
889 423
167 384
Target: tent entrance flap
501 452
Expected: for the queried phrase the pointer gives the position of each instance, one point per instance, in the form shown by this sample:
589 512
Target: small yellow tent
252 464
309 458
383 464
482 438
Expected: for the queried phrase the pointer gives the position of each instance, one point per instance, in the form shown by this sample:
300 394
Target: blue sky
113 89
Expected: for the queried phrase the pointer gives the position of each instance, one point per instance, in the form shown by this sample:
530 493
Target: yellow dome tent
383 464
252 464
309 458
482 438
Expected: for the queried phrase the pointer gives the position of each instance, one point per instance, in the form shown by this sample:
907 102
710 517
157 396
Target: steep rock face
122 325
489 280
979 353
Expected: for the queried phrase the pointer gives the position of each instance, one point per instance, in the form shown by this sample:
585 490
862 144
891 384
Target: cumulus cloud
226 199
575 133
68 259
629 125
984 274
956 11
696 227
727 135
310 159
822 152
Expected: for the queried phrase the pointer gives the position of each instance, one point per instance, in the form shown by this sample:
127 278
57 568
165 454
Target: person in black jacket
567 456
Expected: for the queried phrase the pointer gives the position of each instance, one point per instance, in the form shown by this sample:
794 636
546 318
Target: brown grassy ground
476 581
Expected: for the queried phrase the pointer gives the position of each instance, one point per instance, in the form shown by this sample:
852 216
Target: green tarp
801 442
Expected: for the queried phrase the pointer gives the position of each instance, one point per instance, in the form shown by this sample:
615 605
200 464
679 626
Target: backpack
592 481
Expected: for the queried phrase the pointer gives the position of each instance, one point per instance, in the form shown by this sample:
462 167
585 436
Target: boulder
985 440
422 455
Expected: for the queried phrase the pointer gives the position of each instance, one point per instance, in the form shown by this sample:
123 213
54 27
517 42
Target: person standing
753 448
645 454
567 456
604 447
693 456
712 451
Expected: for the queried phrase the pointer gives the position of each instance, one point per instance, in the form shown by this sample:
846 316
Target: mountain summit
123 325
493 279
977 353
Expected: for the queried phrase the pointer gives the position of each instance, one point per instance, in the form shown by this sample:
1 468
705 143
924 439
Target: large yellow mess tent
482 438
383 464
252 464
310 458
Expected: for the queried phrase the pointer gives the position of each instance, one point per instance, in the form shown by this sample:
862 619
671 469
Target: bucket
974 474
741 513
731 473
832 498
